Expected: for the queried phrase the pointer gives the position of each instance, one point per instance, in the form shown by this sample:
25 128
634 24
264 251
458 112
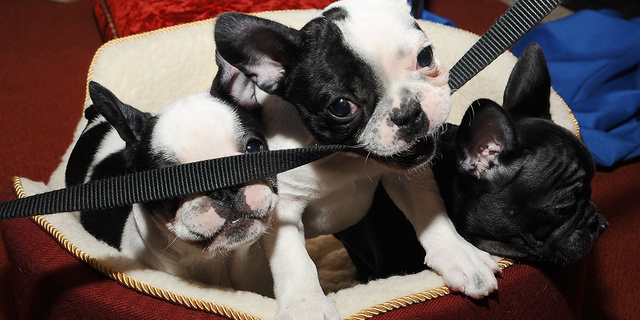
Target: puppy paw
317 307
466 269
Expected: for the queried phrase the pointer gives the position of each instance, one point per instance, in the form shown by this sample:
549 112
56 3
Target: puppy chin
232 235
208 228
413 157
236 234
574 249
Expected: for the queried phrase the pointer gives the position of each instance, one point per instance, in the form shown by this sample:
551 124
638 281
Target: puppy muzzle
579 241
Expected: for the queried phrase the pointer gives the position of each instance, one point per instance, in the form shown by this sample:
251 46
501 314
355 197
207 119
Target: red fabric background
131 17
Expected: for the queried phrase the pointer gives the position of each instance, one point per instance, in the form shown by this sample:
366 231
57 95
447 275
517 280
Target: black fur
307 67
88 144
531 202
106 225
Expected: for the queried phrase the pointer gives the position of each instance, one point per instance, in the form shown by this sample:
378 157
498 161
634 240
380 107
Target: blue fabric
594 59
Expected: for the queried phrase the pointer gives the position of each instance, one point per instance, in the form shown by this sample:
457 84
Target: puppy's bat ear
529 86
484 137
261 49
127 120
232 85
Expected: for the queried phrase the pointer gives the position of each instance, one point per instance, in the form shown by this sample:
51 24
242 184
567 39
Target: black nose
410 118
602 225
598 225
228 194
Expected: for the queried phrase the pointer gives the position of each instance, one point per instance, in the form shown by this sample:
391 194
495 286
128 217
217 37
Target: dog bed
152 69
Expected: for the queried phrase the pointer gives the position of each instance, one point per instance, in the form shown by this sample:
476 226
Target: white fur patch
111 144
196 128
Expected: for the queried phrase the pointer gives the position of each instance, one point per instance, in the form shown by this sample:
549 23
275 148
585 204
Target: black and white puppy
205 237
515 184
361 73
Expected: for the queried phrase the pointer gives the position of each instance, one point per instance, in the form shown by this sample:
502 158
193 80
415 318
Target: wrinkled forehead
379 30
197 128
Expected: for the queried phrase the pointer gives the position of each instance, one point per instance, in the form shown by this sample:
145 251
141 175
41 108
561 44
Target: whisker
169 245
365 166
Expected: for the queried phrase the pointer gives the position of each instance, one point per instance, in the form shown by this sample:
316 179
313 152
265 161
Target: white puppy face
200 127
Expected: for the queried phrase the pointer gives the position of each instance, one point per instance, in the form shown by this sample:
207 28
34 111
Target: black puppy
515 185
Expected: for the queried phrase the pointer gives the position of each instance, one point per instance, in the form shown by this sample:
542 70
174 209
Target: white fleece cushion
150 70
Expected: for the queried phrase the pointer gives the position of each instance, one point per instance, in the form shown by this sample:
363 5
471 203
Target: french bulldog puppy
515 184
361 73
205 237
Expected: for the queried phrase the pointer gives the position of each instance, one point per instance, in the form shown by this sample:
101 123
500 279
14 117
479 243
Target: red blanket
119 18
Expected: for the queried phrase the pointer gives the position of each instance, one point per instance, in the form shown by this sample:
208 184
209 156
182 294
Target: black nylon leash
209 175
166 183
504 33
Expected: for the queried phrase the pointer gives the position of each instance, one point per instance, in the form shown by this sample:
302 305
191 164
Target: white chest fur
244 268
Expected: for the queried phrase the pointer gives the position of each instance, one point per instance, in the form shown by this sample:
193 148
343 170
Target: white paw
309 307
465 269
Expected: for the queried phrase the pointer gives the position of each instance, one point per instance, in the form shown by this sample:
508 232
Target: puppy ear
232 85
485 135
127 120
261 49
529 86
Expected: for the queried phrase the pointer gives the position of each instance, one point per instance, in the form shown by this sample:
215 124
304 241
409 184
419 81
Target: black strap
503 34
166 183
209 175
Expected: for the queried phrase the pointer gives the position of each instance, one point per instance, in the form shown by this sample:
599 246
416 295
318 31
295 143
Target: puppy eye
342 108
425 57
254 146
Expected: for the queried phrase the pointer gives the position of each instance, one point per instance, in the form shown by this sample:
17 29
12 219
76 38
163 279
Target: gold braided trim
576 126
17 187
412 298
400 303
125 280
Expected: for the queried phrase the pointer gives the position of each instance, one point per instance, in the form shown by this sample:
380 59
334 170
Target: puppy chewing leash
209 175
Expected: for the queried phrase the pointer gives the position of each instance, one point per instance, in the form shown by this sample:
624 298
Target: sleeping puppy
361 73
515 184
205 237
